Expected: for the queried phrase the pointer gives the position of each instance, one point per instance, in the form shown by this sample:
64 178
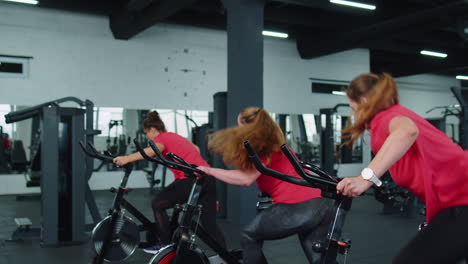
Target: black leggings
443 241
310 220
178 193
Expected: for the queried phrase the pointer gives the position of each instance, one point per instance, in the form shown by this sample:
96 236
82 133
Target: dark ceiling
395 32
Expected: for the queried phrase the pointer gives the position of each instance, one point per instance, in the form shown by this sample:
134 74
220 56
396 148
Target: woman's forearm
234 177
137 156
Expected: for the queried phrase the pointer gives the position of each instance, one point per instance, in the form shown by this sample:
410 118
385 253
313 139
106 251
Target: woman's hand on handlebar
121 160
353 186
206 170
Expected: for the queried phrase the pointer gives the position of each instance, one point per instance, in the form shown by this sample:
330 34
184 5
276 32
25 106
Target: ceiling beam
125 24
316 18
315 46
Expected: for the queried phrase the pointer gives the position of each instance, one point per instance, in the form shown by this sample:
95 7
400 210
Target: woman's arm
122 160
402 134
234 177
198 149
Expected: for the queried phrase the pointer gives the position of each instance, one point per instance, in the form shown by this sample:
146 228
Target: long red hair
258 128
380 91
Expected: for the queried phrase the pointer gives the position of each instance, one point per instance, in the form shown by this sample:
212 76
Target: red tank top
183 148
281 191
434 168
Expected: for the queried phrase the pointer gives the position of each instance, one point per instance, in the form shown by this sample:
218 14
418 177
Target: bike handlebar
172 161
267 171
328 186
300 167
317 170
94 153
143 153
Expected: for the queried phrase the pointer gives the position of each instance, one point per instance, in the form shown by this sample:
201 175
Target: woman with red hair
420 158
296 209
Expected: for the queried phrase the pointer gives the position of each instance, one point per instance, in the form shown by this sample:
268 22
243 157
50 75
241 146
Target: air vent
14 66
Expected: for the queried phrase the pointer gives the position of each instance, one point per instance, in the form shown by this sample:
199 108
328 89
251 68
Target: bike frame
119 203
329 248
184 241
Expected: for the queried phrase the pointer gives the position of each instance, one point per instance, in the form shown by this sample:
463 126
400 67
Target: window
168 117
103 116
200 117
287 129
12 66
176 120
311 128
7 128
185 124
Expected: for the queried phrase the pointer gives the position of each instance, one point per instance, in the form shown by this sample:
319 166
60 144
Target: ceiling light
462 77
339 93
353 4
274 34
433 53
31 2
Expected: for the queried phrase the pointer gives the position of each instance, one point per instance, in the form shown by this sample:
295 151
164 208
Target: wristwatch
369 175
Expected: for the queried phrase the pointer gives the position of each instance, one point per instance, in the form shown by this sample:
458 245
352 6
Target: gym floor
375 237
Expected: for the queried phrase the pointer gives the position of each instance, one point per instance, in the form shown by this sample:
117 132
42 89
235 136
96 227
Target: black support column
78 176
219 122
49 178
245 85
327 141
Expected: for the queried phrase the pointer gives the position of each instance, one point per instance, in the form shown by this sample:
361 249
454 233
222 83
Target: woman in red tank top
421 159
179 190
296 209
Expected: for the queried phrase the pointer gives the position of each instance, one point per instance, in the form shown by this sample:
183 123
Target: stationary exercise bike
183 248
117 236
330 246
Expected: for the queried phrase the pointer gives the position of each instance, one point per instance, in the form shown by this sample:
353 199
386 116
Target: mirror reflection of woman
179 190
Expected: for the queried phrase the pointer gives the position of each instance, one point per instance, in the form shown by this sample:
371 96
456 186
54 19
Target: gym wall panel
287 84
167 66
76 55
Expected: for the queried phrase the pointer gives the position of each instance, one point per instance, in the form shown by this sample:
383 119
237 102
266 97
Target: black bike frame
324 182
190 209
189 224
118 203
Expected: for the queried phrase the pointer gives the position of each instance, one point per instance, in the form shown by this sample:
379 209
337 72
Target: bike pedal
343 246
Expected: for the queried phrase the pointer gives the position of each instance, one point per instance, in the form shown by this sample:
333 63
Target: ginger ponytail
258 128
380 91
